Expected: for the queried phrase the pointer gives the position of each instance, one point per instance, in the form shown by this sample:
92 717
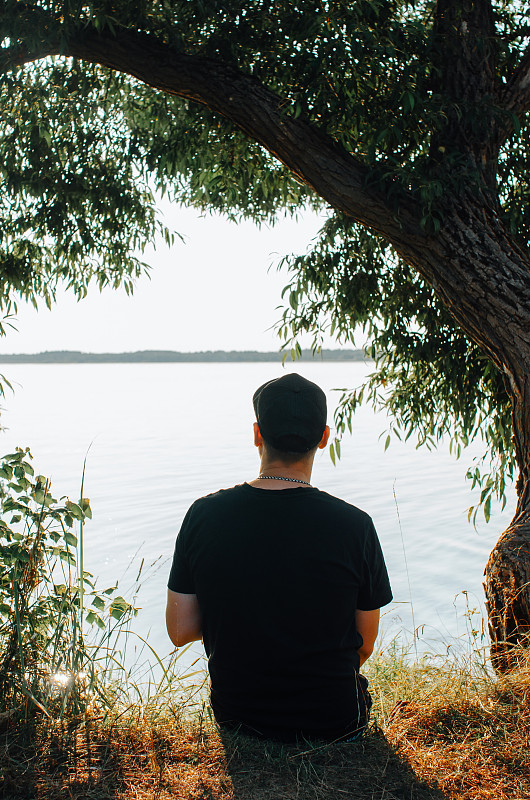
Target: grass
441 730
471 736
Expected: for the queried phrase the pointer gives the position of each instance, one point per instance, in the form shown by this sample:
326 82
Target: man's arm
183 618
367 623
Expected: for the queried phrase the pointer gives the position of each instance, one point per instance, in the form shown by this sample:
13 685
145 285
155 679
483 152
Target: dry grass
192 761
456 734
475 744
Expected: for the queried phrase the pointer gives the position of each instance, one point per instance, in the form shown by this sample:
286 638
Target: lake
156 436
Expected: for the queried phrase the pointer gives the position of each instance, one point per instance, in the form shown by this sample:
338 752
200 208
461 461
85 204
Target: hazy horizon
220 290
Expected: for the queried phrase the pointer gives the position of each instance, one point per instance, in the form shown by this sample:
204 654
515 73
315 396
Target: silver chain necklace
279 478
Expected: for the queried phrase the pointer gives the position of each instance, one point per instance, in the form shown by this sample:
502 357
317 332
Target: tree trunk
483 278
507 588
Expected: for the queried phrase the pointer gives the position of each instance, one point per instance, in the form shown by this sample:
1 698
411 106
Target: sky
217 290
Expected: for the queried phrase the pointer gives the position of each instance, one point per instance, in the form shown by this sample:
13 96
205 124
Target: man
283 582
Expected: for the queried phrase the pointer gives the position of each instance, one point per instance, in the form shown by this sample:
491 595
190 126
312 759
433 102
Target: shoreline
175 356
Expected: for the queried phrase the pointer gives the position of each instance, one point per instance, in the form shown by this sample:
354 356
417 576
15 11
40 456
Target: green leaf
65 555
45 134
70 539
93 618
75 510
98 603
85 505
487 508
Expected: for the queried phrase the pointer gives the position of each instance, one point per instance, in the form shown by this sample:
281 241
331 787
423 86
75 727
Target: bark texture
507 588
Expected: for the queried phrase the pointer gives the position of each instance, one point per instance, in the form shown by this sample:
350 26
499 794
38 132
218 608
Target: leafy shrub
48 602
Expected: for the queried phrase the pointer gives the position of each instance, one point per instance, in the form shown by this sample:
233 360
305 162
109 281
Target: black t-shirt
278 576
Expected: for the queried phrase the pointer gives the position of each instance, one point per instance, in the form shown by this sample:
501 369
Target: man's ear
325 436
258 441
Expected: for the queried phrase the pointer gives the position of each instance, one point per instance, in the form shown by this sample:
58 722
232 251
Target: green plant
48 602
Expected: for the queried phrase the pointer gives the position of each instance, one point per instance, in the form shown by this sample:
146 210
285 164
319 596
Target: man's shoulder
220 496
223 494
342 506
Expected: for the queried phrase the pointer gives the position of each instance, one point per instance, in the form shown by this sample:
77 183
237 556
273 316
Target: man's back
279 576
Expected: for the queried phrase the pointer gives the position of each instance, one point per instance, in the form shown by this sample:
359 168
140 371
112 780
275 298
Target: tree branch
310 154
464 50
17 18
515 95
14 57
464 56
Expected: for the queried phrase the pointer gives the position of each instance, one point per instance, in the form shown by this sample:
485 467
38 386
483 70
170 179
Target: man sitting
283 582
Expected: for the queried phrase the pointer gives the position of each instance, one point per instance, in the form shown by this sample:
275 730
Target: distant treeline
150 356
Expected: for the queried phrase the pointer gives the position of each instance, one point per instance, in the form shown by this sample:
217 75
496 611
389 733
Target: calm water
160 435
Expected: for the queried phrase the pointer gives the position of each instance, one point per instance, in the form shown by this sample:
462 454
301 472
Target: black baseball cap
291 413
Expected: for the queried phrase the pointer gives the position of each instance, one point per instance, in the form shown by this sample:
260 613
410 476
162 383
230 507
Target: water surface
159 435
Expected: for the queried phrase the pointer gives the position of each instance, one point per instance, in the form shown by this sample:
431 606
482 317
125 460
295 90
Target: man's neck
298 474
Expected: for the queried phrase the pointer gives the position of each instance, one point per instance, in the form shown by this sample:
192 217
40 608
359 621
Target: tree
408 119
